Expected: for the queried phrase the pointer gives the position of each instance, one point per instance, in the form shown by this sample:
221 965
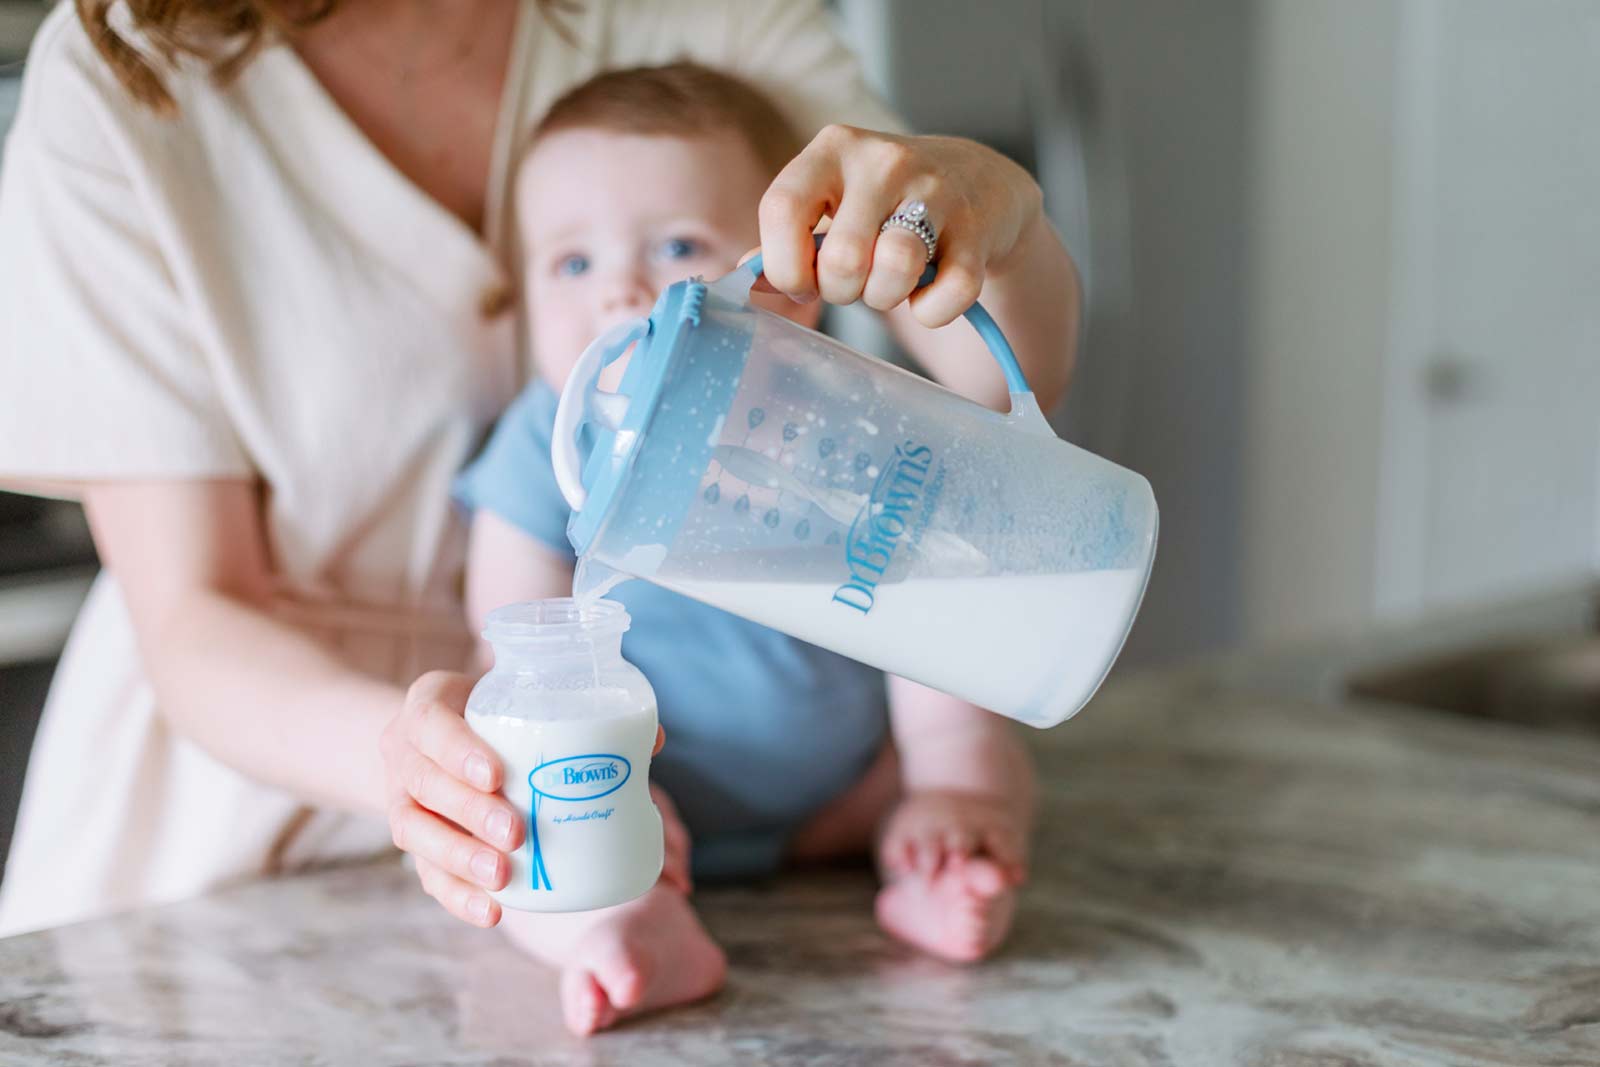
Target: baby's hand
675 864
931 827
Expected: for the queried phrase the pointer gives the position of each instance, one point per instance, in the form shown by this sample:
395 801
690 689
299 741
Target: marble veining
1221 878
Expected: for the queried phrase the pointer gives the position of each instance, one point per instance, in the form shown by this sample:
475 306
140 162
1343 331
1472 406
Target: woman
255 311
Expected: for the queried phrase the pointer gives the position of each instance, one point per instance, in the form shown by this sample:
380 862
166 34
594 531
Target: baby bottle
573 724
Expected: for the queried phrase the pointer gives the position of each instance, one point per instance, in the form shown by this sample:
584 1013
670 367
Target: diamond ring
913 217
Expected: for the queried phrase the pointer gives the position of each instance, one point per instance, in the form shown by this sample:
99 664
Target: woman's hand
980 205
444 807
443 783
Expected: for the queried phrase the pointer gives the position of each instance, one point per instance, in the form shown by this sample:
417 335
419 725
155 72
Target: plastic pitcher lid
707 367
615 421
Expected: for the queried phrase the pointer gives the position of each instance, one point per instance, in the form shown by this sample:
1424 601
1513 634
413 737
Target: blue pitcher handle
744 276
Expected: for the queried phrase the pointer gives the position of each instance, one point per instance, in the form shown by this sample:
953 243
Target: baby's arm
968 781
507 566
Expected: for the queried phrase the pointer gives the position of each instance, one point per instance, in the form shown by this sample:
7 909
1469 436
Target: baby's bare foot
646 954
930 826
961 913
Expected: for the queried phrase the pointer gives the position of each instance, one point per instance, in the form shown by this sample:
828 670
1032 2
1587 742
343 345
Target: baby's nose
626 293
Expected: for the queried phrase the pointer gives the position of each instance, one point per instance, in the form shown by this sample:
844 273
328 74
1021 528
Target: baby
778 752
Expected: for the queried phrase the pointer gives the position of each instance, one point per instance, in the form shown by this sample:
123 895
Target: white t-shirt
252 290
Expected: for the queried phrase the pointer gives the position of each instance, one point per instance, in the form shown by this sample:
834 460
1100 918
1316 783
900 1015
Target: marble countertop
1223 877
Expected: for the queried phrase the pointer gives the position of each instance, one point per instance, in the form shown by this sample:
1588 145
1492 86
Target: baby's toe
899 856
622 974
584 1006
981 877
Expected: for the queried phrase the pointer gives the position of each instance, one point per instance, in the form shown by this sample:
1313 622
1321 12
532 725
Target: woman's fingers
859 260
799 196
898 260
858 179
979 203
433 840
875 182
487 815
954 288
442 779
434 724
436 759
886 178
460 898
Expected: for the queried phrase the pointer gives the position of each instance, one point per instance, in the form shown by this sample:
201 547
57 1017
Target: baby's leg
848 824
648 953
954 849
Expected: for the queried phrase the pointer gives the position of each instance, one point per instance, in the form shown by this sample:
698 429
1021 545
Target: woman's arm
257 694
1035 297
269 701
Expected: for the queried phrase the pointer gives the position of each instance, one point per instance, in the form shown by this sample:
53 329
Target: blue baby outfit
762 729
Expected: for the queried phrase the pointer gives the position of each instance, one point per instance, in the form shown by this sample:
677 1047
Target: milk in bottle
574 724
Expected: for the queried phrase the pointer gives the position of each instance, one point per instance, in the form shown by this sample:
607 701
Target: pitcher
766 469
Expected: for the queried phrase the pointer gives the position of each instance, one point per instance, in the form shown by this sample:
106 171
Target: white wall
1176 80
1320 241
1424 371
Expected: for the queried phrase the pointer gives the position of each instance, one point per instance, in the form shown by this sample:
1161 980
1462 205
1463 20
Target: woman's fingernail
499 827
478 908
803 298
478 771
484 866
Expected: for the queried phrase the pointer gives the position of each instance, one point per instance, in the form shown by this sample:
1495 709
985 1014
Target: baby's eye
572 266
680 248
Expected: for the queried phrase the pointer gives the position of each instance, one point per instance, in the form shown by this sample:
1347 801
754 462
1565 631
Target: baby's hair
681 99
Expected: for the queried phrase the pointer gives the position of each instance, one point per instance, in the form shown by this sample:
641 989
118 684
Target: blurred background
1342 264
